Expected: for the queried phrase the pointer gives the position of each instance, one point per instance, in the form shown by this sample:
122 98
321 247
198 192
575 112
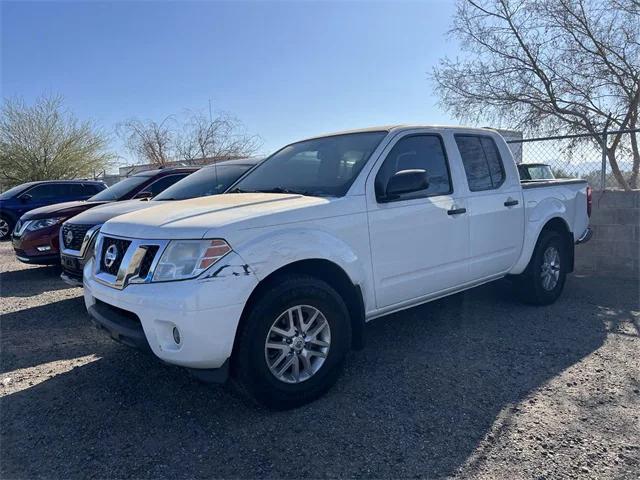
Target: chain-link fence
584 156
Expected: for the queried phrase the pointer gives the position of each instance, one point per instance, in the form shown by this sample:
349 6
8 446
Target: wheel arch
9 215
324 270
555 223
560 226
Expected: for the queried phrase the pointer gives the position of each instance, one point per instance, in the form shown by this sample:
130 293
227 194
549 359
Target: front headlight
44 223
184 259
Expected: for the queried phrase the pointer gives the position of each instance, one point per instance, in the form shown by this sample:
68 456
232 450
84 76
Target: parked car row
272 281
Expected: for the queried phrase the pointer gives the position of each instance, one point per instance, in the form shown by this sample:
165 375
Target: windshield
540 172
120 189
324 166
12 192
206 181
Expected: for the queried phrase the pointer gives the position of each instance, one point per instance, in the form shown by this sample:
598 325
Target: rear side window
164 183
482 162
79 190
91 188
423 152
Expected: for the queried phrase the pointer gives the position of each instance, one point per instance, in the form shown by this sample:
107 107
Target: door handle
511 203
456 211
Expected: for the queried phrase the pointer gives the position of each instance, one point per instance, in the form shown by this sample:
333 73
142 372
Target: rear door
494 204
418 246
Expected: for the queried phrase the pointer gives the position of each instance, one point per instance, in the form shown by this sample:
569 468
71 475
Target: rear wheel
543 280
292 343
6 225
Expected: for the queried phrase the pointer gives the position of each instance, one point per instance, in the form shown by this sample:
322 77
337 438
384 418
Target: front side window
422 152
482 162
324 166
206 181
47 191
14 192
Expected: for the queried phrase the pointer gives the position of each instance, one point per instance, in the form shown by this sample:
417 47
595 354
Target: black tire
530 285
249 368
9 222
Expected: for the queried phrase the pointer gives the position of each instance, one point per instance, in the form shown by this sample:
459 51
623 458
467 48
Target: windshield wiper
239 190
285 190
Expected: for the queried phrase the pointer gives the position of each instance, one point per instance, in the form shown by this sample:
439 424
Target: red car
35 237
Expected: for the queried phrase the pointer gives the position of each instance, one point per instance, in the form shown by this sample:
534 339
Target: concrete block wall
614 249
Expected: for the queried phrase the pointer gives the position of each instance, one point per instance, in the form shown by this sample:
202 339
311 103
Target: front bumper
205 312
40 259
39 247
585 237
72 269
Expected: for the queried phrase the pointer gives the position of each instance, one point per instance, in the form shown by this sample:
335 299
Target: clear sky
286 69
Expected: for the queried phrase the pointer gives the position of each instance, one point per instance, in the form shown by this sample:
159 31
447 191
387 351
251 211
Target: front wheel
6 225
543 280
292 344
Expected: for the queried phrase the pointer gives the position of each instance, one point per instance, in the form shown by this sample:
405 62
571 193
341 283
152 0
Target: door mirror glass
406 181
25 198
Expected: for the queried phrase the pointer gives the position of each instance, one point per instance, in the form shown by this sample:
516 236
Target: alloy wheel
550 271
297 344
4 228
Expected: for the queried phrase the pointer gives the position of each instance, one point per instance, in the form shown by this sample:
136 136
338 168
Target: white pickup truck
274 281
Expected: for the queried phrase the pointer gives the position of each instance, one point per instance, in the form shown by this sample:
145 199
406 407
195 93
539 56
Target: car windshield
12 192
206 181
324 166
120 189
540 172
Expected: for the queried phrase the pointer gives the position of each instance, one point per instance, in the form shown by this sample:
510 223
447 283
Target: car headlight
44 223
184 259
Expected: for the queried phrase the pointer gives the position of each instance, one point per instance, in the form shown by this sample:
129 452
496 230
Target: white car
274 281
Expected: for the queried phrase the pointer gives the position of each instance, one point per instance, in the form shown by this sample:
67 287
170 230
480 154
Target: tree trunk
633 181
615 169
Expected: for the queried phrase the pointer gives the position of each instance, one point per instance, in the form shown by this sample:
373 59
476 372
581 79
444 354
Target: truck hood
214 216
102 213
66 209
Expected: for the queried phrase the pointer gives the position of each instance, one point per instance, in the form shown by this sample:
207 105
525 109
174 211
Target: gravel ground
473 386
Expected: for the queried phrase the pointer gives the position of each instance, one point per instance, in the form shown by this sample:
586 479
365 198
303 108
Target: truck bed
526 184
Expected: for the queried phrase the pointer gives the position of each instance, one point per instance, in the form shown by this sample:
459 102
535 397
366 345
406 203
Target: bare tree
45 142
222 137
150 141
190 138
548 65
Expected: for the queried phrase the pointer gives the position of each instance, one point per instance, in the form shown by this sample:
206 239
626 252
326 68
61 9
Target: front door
419 243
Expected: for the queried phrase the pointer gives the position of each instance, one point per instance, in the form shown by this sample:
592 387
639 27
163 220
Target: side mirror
144 194
406 181
25 198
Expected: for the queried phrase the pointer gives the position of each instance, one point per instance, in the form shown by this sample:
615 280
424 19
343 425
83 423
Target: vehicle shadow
415 402
31 281
55 331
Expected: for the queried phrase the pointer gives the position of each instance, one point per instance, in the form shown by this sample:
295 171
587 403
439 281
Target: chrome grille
116 247
147 261
130 260
73 235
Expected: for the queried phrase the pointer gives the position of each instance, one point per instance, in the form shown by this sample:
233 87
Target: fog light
176 335
46 248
